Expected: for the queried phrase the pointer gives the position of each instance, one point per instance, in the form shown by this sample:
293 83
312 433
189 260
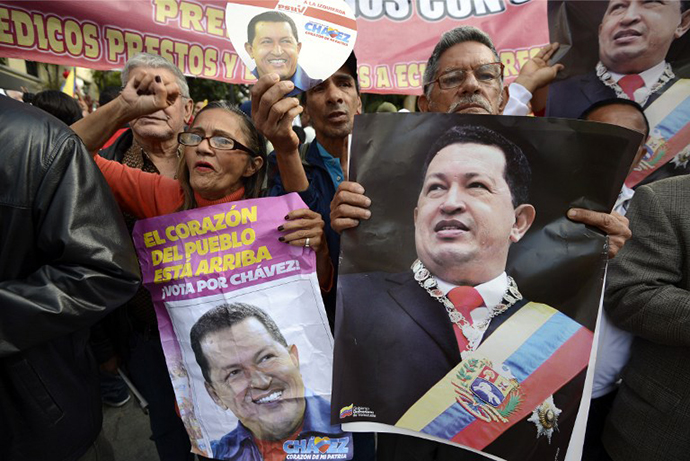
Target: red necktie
630 83
465 299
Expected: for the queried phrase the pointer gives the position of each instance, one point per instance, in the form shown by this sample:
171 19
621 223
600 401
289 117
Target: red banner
395 37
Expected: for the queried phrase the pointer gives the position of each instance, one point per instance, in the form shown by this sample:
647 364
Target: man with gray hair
447 70
249 369
534 74
150 145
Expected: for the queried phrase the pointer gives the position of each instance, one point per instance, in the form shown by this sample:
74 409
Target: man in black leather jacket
65 261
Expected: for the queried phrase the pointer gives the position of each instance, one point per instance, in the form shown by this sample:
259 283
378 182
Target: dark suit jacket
569 98
393 343
648 294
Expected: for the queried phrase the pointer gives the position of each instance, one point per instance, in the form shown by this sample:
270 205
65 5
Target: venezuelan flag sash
528 358
670 131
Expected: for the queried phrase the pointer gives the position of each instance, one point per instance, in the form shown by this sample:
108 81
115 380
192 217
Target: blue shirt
239 445
335 170
300 78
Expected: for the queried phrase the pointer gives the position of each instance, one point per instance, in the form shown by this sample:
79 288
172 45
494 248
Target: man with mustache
634 39
249 369
396 346
464 75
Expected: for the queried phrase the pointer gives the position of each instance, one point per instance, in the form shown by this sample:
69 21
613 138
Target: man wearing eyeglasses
464 75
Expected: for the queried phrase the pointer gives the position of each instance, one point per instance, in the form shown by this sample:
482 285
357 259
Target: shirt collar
297 78
316 414
650 76
323 152
492 291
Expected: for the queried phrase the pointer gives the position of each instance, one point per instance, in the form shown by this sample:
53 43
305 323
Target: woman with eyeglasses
224 160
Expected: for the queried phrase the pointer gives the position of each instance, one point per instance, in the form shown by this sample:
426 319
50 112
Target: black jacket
65 261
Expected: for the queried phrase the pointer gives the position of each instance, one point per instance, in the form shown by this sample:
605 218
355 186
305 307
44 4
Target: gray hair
155 62
449 39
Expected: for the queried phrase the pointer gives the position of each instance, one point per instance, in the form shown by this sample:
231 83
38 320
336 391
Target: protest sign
291 38
244 331
453 205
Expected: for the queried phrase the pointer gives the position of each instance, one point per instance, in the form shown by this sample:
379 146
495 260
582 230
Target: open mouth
450 224
277 62
450 228
204 166
270 398
627 34
337 116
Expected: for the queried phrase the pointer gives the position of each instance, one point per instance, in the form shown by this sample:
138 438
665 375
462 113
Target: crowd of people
68 267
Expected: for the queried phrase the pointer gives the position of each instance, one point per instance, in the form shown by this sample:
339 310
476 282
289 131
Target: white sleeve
519 100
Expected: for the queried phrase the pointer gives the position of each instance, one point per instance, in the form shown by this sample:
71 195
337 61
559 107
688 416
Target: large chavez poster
467 302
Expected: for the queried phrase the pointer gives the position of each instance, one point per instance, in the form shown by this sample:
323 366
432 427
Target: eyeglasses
217 142
485 74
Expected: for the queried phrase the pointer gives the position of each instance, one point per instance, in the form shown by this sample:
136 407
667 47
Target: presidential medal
545 417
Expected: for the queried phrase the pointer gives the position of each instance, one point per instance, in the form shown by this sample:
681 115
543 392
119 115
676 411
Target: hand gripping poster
244 331
468 300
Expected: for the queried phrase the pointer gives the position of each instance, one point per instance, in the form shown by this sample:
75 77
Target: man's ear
188 110
524 217
249 50
294 355
684 24
505 96
299 47
255 164
359 105
212 393
423 103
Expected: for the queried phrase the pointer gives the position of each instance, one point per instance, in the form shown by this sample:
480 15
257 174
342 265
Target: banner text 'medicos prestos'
46 32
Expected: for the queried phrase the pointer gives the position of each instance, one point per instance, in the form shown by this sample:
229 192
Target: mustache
471 99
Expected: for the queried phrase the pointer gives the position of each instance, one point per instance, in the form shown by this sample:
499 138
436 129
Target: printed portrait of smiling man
249 369
273 44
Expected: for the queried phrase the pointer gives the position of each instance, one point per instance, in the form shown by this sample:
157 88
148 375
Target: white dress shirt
491 292
650 77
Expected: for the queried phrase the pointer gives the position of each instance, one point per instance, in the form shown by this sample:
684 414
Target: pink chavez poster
394 37
244 331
